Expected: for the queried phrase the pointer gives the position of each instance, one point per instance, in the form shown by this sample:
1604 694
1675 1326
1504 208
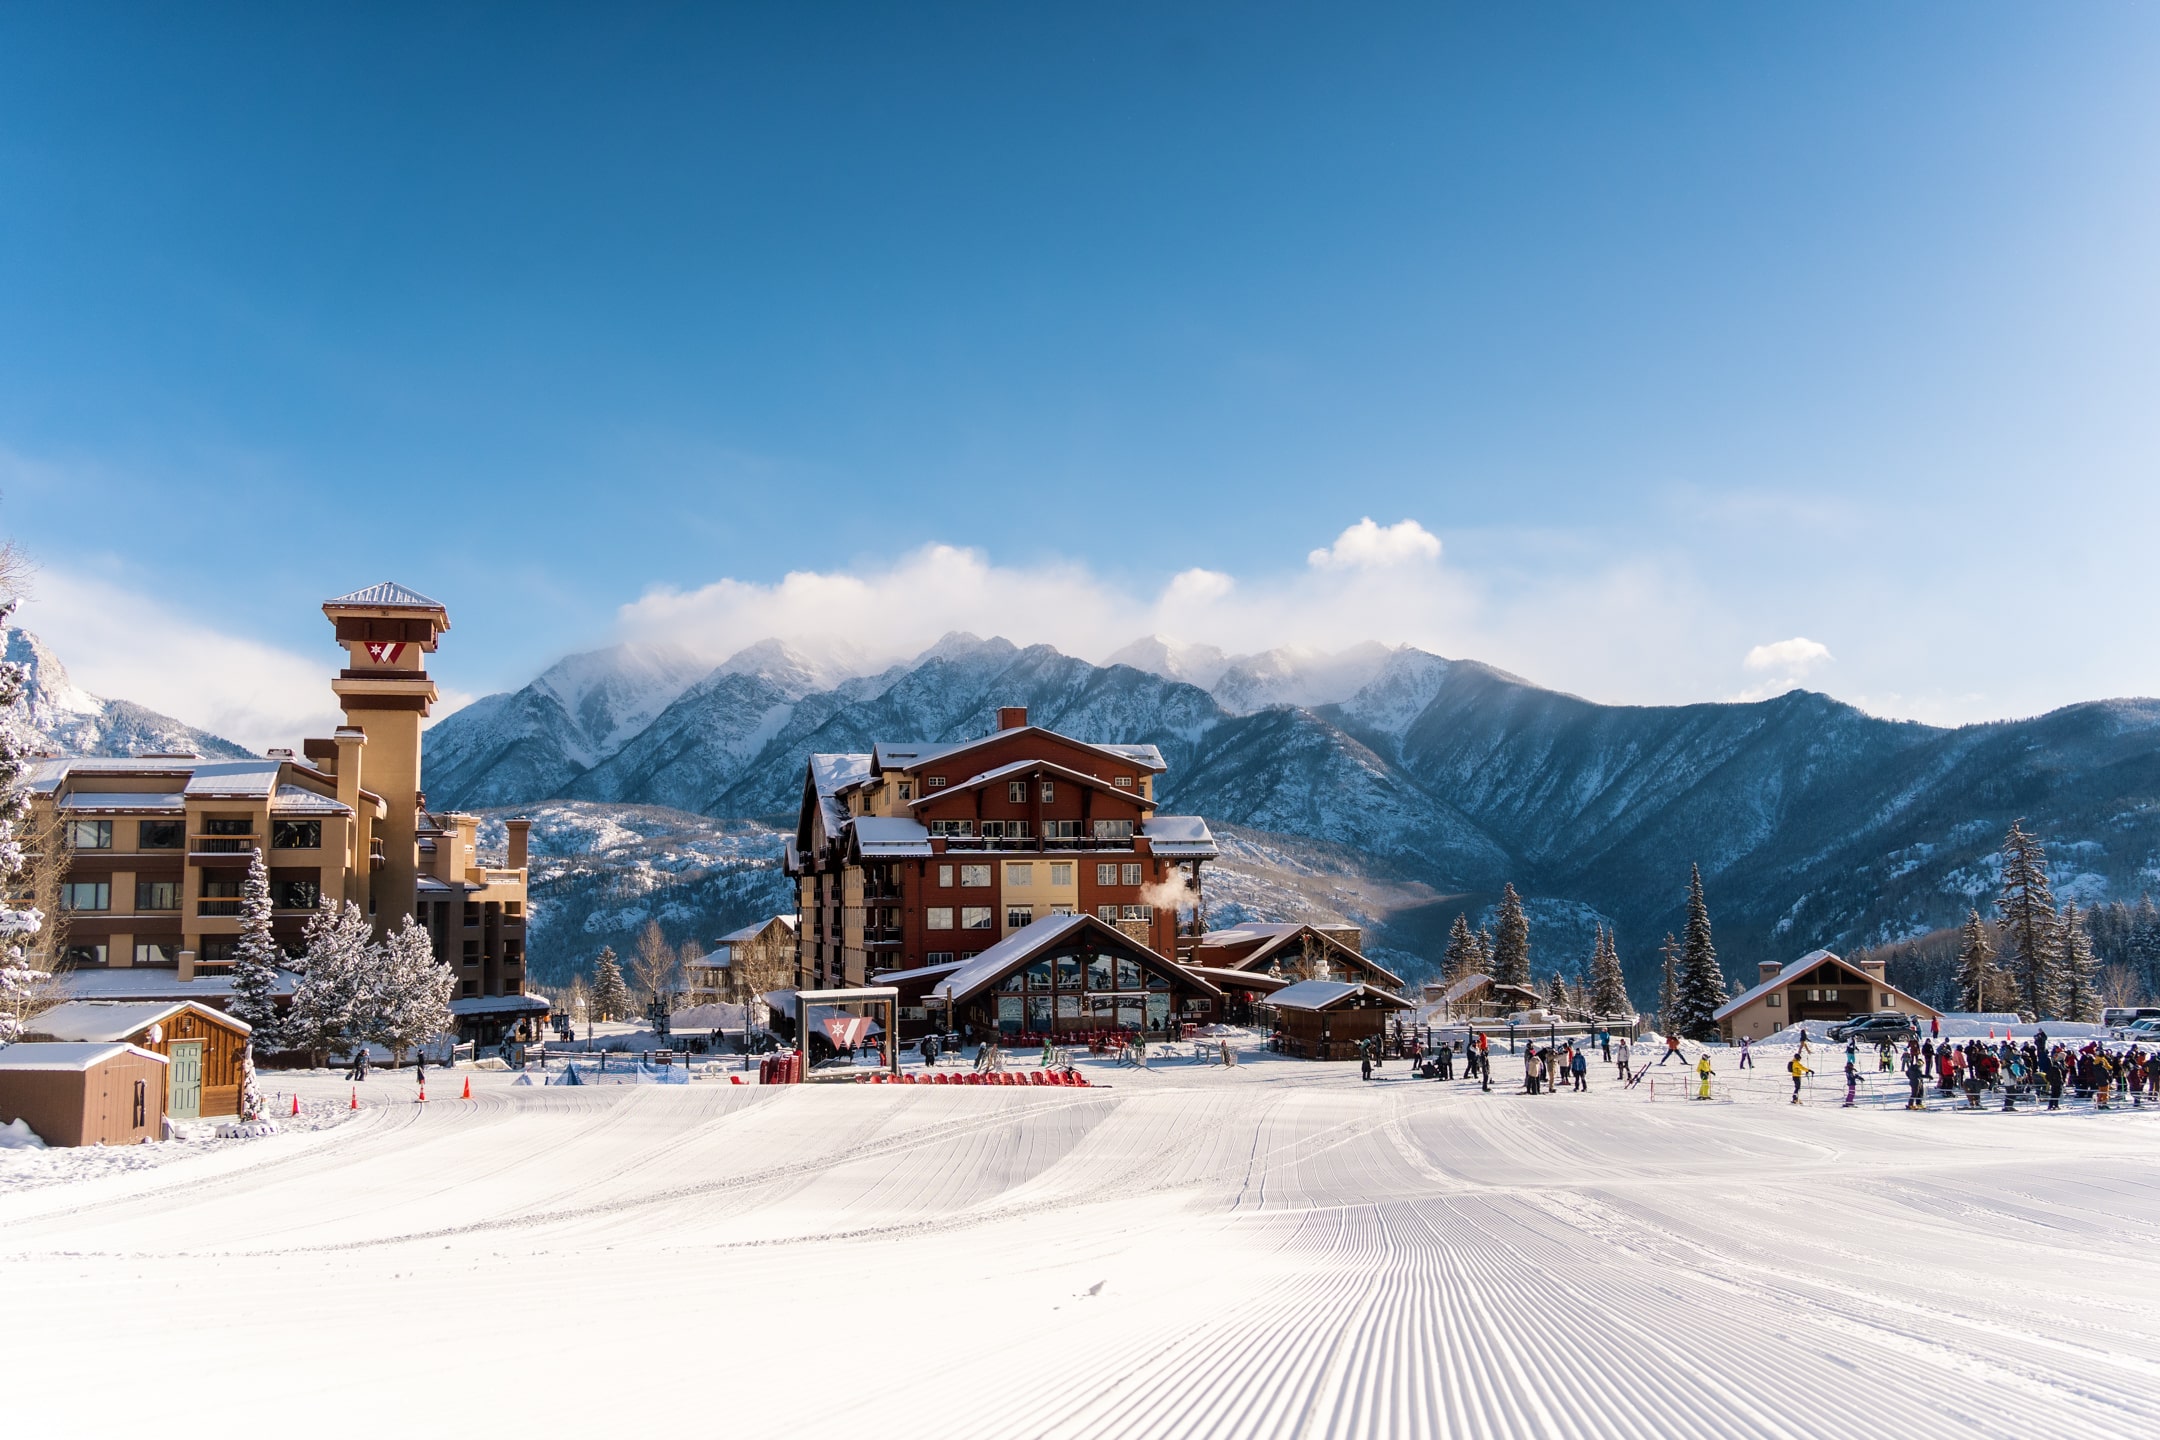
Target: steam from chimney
1177 892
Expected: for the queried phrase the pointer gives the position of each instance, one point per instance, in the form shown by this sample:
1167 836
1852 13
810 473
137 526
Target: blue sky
1683 330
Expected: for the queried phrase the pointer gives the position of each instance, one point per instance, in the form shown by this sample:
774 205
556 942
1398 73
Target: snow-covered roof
124 800
299 800
145 982
1275 936
1468 985
1024 944
45 1055
830 774
914 754
1238 979
884 835
920 972
500 1005
1180 835
1328 994
1794 971
1029 767
110 1020
389 595
754 929
239 778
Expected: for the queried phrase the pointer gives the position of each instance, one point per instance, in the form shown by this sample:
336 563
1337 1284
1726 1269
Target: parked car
2142 1032
1892 1025
2117 1015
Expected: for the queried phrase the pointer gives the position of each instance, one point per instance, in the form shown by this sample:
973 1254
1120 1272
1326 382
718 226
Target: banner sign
847 1031
385 652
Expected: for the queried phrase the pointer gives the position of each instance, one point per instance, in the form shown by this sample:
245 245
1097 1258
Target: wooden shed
204 1045
1330 1019
84 1094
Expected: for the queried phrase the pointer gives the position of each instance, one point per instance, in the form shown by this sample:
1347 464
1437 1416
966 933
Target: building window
512 909
472 987
1132 874
82 956
1113 829
296 834
1049 791
938 917
151 952
944 876
1061 829
934 782
1019 917
1106 874
993 829
952 828
1016 791
230 825
472 913
1889 1001
217 952
1774 1000
975 877
1124 782
975 917
907 792
939 957
1139 912
472 952
90 835
1021 874
1107 912
157 895
296 894
1061 872
161 834
86 895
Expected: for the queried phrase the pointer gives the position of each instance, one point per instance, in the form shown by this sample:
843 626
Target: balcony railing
221 844
1082 842
214 909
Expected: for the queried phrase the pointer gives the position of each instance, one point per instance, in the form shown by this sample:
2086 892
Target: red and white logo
847 1031
385 652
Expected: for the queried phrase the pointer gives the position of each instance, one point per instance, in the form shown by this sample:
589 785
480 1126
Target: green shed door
183 1079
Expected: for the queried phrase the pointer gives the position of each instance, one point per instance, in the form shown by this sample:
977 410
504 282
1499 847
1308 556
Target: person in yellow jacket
1704 1072
1797 1069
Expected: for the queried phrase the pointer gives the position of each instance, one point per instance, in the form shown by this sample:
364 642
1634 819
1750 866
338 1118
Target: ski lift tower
854 1004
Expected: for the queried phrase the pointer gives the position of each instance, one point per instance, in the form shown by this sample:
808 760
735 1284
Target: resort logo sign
847 1031
385 652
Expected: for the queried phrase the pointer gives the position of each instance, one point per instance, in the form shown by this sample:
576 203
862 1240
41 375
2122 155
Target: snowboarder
1797 1068
1703 1072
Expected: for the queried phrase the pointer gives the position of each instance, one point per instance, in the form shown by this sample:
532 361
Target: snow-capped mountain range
1814 822
60 715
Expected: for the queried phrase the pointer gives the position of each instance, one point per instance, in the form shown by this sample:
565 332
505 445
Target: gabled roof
1024 944
829 775
1240 979
1801 967
36 1055
110 1020
1275 938
299 800
756 928
881 836
388 595
1332 995
1005 772
915 754
1180 836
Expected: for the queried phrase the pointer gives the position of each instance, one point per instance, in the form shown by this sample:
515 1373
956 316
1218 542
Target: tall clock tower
388 632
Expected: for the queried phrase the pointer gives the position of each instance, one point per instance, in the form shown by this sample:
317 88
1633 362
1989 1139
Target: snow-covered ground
1275 1249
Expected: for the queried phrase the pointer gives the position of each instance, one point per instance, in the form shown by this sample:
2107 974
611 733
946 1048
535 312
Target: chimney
517 828
1767 970
1012 717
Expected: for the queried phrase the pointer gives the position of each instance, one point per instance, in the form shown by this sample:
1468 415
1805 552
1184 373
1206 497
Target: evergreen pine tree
23 984
2145 942
1483 953
2031 931
1511 953
332 1000
1702 981
610 996
1556 993
1669 986
1462 952
1608 983
2078 972
255 959
1981 984
411 992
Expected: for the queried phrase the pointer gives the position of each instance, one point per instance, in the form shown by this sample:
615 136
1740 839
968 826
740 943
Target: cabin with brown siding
75 1094
205 1047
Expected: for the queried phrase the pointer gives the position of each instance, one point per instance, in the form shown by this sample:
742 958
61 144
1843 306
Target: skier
1672 1048
1852 1081
1747 1056
1580 1065
1532 1070
1484 1064
1604 1040
1703 1072
1915 1076
1626 1058
1797 1068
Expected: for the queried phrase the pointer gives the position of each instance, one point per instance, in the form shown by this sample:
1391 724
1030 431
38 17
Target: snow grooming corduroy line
1024 1079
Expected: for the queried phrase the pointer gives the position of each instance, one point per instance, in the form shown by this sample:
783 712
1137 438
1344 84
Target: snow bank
17 1135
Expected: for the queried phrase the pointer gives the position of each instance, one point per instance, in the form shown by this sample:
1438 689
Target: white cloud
1198 587
1366 546
1798 655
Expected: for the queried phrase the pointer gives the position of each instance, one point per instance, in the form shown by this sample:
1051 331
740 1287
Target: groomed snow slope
1273 1250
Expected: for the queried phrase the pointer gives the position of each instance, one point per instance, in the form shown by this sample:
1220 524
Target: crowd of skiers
1975 1070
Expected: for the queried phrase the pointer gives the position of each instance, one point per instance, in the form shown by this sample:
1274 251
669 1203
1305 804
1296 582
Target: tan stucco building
1817 986
159 845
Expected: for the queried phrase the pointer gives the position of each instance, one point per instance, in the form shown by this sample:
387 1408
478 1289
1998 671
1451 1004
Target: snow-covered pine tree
412 992
251 1096
1702 980
255 959
1483 954
2031 931
1608 983
1980 982
1556 993
1511 953
2145 942
333 999
24 984
610 996
2079 972
1461 955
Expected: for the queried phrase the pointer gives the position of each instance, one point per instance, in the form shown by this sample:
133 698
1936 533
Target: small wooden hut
1330 1019
84 1094
204 1045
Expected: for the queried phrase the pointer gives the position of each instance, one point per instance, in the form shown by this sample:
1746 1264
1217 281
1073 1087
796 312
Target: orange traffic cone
296 1102
468 1089
423 1096
356 1097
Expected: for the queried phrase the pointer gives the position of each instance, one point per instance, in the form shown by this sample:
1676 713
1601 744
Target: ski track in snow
1276 1250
